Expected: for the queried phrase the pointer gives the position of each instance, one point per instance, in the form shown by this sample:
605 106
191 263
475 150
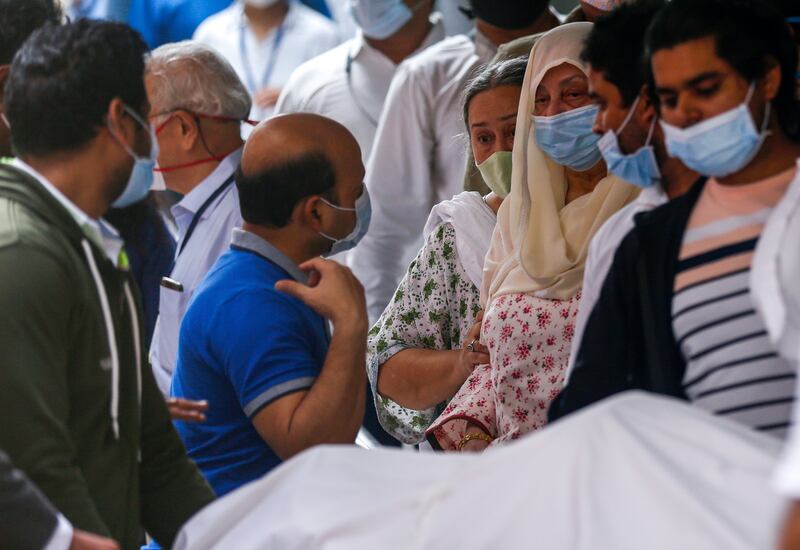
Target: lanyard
348 69
273 57
196 218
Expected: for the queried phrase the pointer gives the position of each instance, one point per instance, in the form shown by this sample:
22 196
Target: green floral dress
433 308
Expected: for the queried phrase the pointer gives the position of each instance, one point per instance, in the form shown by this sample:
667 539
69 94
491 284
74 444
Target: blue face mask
141 178
380 19
721 145
639 168
567 138
363 210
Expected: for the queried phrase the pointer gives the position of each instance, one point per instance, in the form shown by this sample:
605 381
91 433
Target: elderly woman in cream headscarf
561 195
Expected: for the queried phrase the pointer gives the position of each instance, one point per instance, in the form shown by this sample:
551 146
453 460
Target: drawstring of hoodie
110 334
112 337
136 341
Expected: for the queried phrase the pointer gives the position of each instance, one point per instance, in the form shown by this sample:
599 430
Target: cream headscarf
539 245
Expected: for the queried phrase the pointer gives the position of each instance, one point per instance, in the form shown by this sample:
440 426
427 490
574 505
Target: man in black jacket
674 315
632 143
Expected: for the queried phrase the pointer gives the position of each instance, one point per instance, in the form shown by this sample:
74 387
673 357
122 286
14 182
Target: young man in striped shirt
675 315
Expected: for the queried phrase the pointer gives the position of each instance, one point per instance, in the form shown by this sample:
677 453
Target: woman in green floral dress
425 344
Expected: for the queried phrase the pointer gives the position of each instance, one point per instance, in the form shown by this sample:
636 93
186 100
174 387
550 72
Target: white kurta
635 471
355 99
602 248
417 160
305 34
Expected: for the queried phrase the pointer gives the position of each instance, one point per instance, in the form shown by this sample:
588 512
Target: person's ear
121 126
189 126
308 212
647 107
772 79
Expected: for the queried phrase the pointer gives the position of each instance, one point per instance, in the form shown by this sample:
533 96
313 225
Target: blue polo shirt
243 345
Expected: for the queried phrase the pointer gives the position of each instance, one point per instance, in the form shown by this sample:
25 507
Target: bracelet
469 437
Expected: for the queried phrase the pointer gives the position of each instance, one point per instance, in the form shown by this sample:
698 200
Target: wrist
485 438
458 371
353 327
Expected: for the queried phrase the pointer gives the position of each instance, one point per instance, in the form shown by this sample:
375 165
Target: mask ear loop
629 116
342 208
767 111
651 131
143 124
335 207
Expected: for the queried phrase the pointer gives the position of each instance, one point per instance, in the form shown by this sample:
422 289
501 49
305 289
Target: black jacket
27 519
628 342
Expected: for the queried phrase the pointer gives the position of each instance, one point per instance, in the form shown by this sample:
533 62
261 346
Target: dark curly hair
615 46
19 19
747 33
63 79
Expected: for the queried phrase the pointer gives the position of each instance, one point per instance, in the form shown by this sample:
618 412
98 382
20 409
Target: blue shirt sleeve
273 348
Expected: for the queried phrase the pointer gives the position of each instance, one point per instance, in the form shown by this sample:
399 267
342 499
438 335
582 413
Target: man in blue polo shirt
255 341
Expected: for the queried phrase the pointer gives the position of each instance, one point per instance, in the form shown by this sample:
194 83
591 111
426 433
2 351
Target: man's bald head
286 138
291 157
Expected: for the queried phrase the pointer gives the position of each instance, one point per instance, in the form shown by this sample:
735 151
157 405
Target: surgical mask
141 178
496 172
380 19
639 168
261 3
568 139
363 210
721 145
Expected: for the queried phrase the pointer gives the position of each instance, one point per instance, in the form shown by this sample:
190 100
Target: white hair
192 76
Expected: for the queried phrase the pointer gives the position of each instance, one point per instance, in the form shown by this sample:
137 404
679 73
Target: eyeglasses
217 118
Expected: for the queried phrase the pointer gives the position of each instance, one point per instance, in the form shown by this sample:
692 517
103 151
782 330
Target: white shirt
602 248
210 238
418 159
775 289
323 85
98 230
304 34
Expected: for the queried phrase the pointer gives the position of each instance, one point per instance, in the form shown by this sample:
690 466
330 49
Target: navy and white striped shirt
732 369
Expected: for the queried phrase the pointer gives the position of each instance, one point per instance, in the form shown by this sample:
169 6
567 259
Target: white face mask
380 19
261 3
363 211
721 145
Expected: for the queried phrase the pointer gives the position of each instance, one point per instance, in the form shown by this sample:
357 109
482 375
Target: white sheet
634 472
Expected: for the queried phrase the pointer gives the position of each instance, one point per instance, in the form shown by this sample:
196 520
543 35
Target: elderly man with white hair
197 105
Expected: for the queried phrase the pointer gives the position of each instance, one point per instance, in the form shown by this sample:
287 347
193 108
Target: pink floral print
529 340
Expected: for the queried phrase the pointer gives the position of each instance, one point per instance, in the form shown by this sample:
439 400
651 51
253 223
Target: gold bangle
469 437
